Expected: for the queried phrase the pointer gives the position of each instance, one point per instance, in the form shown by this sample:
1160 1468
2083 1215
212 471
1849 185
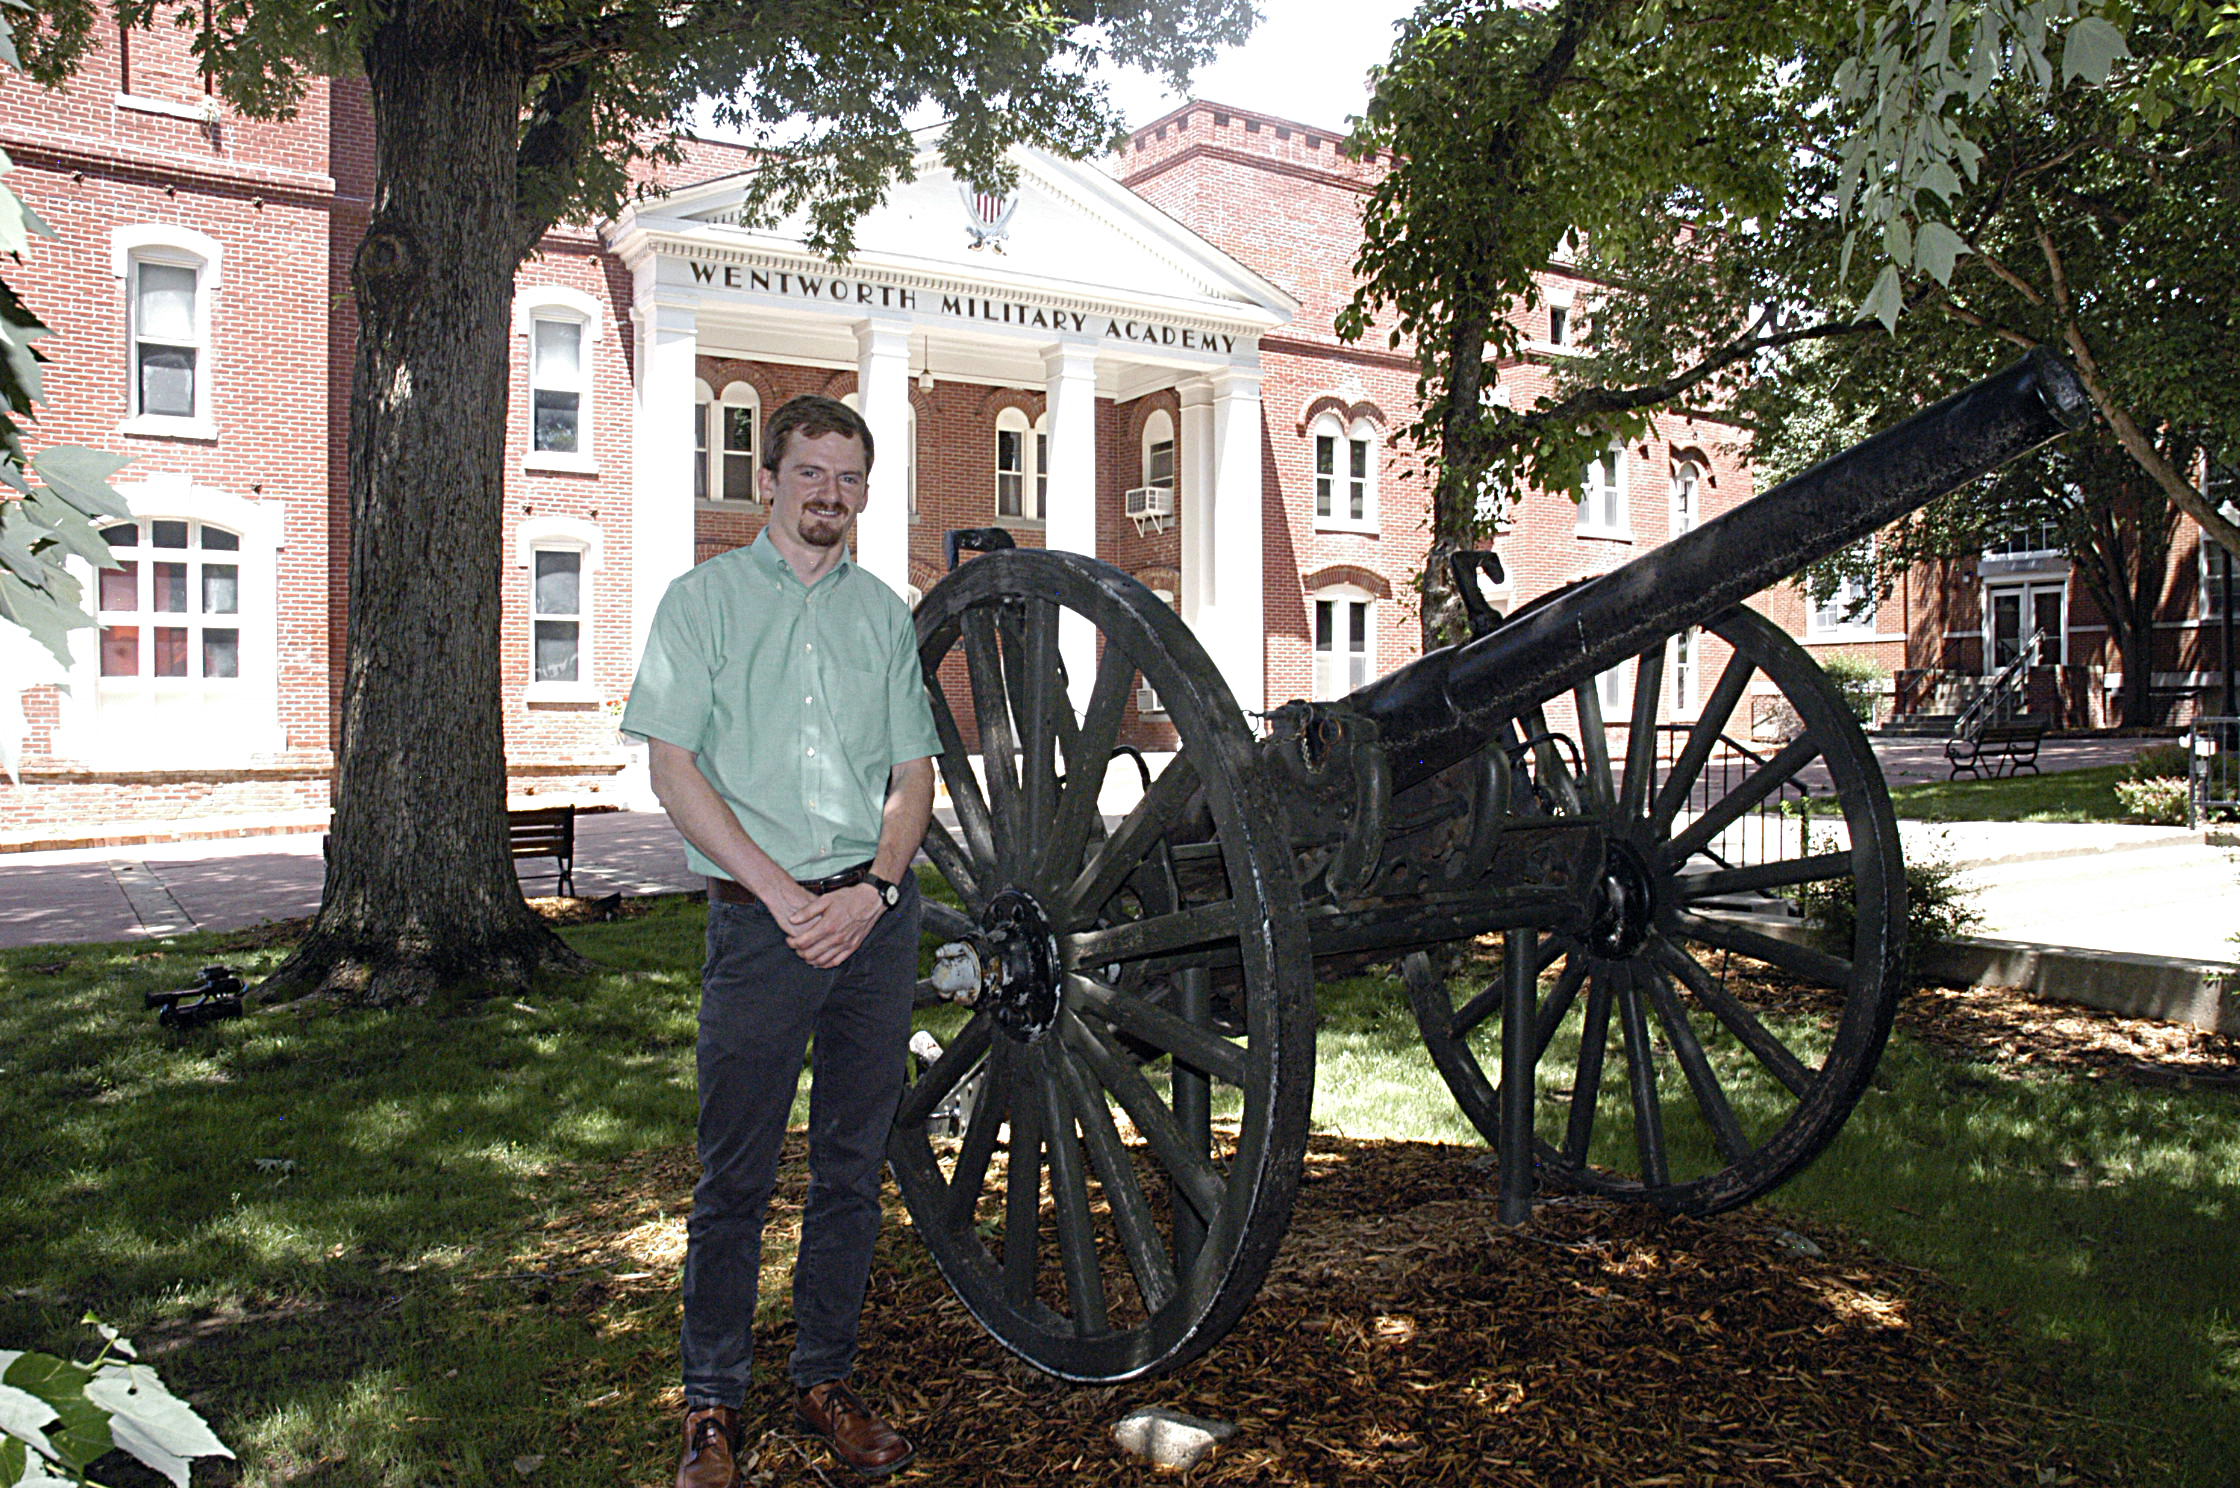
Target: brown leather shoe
858 1437
711 1445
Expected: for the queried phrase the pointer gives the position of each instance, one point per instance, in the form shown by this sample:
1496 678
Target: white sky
1307 61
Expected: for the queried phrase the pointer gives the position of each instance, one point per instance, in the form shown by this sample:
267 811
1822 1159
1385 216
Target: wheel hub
1020 959
1624 903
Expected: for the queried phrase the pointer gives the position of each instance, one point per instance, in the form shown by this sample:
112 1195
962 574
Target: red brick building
1154 338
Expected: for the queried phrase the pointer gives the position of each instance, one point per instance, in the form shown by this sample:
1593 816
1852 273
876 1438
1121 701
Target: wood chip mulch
1403 1337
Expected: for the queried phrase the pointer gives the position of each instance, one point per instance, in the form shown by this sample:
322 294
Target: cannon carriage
1102 1156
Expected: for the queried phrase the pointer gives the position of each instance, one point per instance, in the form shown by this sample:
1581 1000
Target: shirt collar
766 557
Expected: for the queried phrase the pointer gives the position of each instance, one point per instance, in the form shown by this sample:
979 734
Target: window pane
219 538
738 430
1322 626
1009 487
556 651
166 310
1360 458
167 381
169 596
171 651
127 536
559 354
2047 604
557 585
120 650
699 451
221 589
1357 627
120 589
167 534
1159 469
738 478
556 421
221 653
1011 450
1325 472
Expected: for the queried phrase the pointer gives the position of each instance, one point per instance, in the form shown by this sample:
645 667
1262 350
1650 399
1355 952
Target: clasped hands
825 929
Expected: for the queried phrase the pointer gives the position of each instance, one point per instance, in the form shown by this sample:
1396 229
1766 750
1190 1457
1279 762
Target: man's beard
821 531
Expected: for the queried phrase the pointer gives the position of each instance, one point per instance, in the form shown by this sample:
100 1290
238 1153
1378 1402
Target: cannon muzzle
1443 707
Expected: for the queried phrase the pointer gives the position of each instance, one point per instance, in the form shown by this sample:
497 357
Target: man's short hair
812 416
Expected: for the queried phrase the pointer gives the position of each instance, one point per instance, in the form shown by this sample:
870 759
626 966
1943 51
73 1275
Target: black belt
738 893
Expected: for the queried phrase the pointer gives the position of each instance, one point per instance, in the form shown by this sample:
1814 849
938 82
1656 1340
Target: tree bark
421 894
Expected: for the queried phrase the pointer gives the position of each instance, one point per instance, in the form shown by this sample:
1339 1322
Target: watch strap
890 894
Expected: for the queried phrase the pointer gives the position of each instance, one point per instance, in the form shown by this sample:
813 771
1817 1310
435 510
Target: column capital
1069 359
675 317
878 336
1195 392
1235 382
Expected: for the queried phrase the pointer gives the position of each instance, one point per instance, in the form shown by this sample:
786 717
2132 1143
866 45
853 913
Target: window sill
200 113
1367 526
1857 635
552 460
537 693
1608 534
162 426
719 504
1023 524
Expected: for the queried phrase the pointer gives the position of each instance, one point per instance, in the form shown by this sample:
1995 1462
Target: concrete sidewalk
2157 891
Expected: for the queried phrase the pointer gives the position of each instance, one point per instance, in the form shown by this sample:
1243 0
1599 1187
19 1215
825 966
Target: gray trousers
760 1006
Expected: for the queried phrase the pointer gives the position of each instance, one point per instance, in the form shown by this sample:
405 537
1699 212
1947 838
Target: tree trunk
2127 551
421 893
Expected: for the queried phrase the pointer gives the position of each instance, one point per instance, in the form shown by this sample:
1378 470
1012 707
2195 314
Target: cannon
1103 1149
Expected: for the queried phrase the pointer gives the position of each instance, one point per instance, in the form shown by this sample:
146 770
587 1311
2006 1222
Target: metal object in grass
1138 1019
216 997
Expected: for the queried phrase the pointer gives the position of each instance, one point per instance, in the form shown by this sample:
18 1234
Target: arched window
170 275
1022 452
560 557
1687 496
1602 503
561 327
1345 639
1158 451
734 443
1345 466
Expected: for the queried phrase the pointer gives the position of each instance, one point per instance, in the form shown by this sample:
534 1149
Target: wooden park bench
1996 749
536 832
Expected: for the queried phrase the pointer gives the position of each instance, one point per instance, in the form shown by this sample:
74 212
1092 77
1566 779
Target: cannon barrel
1442 707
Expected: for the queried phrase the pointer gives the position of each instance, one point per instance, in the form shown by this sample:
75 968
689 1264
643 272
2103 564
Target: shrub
2158 800
2158 762
1859 679
1940 903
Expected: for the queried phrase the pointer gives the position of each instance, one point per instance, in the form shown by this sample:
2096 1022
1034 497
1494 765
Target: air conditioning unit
1151 506
1147 701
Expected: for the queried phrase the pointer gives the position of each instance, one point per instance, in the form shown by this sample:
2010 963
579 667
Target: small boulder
1169 1438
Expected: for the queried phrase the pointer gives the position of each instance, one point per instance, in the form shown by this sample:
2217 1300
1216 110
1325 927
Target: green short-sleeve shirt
797 699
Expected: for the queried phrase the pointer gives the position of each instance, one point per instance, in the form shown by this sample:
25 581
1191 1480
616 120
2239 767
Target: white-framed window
1849 612
730 439
1345 474
170 276
1563 318
1147 696
181 666
1687 497
2036 540
1158 451
1613 690
1687 672
2213 563
561 328
1022 452
559 558
1345 639
1602 498
703 419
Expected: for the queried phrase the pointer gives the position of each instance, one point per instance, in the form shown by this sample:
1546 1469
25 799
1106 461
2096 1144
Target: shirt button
805 702
812 754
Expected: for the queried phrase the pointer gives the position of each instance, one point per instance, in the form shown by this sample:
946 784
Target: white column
883 390
1070 384
662 453
1194 472
1239 633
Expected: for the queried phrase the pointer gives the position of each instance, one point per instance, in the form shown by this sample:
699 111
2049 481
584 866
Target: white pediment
1073 231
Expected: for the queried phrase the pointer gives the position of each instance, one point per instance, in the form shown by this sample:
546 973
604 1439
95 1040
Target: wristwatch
890 894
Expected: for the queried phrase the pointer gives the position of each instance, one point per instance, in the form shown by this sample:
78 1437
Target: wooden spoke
999 742
1641 734
1641 1081
1745 1025
1804 961
1487 1003
1594 748
1695 1067
939 919
1134 838
1183 1161
963 1053
962 1197
1085 767
1557 1003
1586 1076
1039 700
1754 788
956 865
1116 1174
1680 785
1185 929
1069 1189
1780 874
1022 1202
964 786
1201 1049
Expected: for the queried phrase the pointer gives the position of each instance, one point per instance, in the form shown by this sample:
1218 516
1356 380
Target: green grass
329 1226
2087 795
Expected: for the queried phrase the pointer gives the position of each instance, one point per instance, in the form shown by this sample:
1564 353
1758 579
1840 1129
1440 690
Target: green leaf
12 1456
1886 299
22 1414
81 1430
68 528
2091 49
1936 247
80 476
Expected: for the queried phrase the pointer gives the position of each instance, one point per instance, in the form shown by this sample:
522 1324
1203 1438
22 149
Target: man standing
790 742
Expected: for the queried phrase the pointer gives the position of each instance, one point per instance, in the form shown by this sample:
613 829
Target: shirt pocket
859 712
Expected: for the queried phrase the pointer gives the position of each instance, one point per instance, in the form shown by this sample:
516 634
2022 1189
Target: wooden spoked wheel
1654 1079
1138 1094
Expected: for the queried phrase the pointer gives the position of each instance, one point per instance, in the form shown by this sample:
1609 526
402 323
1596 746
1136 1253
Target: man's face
820 485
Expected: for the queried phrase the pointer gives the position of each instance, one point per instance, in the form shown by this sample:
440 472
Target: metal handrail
2212 774
1995 703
